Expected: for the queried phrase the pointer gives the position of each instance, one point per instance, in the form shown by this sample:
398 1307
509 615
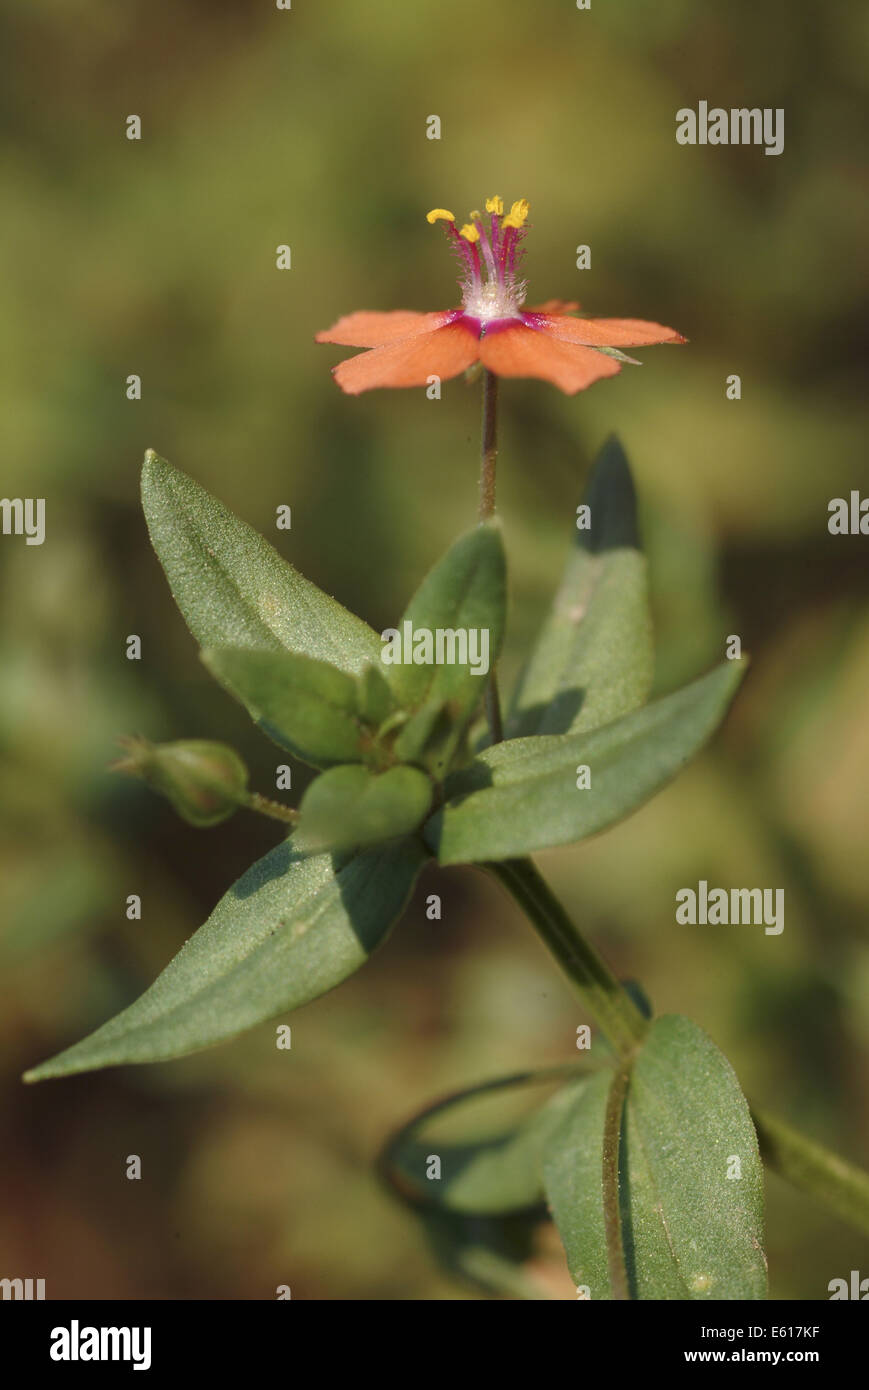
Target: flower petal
525 351
445 353
608 332
366 329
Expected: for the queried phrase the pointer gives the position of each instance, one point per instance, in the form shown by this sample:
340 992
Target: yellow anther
438 214
475 216
495 204
470 233
517 214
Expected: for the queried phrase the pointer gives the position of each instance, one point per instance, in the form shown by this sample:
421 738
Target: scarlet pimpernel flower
490 326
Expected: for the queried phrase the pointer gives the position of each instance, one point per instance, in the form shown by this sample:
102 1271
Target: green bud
204 781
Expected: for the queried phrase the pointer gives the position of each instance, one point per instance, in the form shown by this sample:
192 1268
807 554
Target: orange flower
407 348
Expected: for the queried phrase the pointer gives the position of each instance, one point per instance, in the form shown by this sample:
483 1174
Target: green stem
814 1169
489 450
488 466
613 1009
273 809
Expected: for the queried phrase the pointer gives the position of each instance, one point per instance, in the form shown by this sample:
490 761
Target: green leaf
290 929
307 706
465 593
594 659
498 1176
522 795
430 723
374 695
233 588
349 807
690 1228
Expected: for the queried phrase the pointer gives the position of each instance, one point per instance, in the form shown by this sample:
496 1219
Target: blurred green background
157 257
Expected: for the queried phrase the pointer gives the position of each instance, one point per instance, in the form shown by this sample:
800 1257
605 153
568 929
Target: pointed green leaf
290 929
349 807
690 1176
374 695
307 706
522 795
594 659
233 588
464 597
497 1176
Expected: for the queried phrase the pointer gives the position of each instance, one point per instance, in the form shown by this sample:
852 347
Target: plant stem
488 465
273 809
814 1169
613 1009
489 448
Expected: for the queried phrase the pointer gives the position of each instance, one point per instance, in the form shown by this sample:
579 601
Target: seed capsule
204 781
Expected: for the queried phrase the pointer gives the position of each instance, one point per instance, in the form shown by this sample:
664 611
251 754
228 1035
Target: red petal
445 353
366 329
525 351
609 332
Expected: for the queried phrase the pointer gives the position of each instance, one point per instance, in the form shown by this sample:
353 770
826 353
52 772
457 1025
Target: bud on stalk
204 781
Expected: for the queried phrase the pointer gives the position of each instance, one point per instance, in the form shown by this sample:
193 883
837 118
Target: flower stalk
489 449
488 466
614 1010
275 810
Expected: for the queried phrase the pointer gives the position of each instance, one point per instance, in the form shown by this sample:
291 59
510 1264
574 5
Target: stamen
517 214
467 253
491 240
506 257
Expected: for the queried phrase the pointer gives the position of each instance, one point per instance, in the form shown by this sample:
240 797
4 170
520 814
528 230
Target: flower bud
204 781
